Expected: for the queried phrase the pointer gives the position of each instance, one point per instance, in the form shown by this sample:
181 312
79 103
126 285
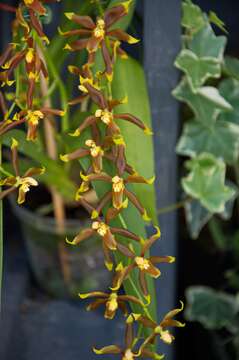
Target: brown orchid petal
122 36
148 243
83 235
126 233
80 32
152 271
143 283
36 6
85 21
95 304
161 259
174 312
107 60
77 154
106 198
5 193
131 299
12 125
111 213
6 54
97 177
133 198
95 131
93 44
125 250
121 159
129 336
43 69
132 119
91 58
111 349
121 275
113 14
6 7
77 45
9 181
31 132
78 100
3 105
35 23
123 307
147 322
109 240
172 323
30 92
86 123
149 354
94 294
107 256
15 158
86 205
34 171
96 96
50 111
137 179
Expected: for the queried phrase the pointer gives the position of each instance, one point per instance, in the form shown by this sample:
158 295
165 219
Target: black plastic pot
60 269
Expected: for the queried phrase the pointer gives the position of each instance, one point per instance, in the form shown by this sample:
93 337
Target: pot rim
45 223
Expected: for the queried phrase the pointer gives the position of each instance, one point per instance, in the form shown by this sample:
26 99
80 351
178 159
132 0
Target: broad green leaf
206 107
221 139
231 67
55 174
206 182
213 309
193 17
129 81
206 44
197 69
229 89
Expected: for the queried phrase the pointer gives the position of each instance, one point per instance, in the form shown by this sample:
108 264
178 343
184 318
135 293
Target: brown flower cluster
105 144
24 54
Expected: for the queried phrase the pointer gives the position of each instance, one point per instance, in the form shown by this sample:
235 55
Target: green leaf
221 139
206 182
206 44
197 69
193 17
129 81
196 216
206 105
229 89
231 67
214 19
55 174
213 309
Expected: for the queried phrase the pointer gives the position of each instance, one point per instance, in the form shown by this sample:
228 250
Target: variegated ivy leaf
229 89
206 182
205 44
197 69
220 138
193 17
197 216
213 309
206 104
203 58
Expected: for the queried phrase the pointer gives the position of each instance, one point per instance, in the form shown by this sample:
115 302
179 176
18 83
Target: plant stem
58 203
173 207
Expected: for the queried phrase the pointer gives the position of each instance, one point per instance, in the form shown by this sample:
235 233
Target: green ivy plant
209 142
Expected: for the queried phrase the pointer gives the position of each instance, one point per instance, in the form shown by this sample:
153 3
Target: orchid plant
98 140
